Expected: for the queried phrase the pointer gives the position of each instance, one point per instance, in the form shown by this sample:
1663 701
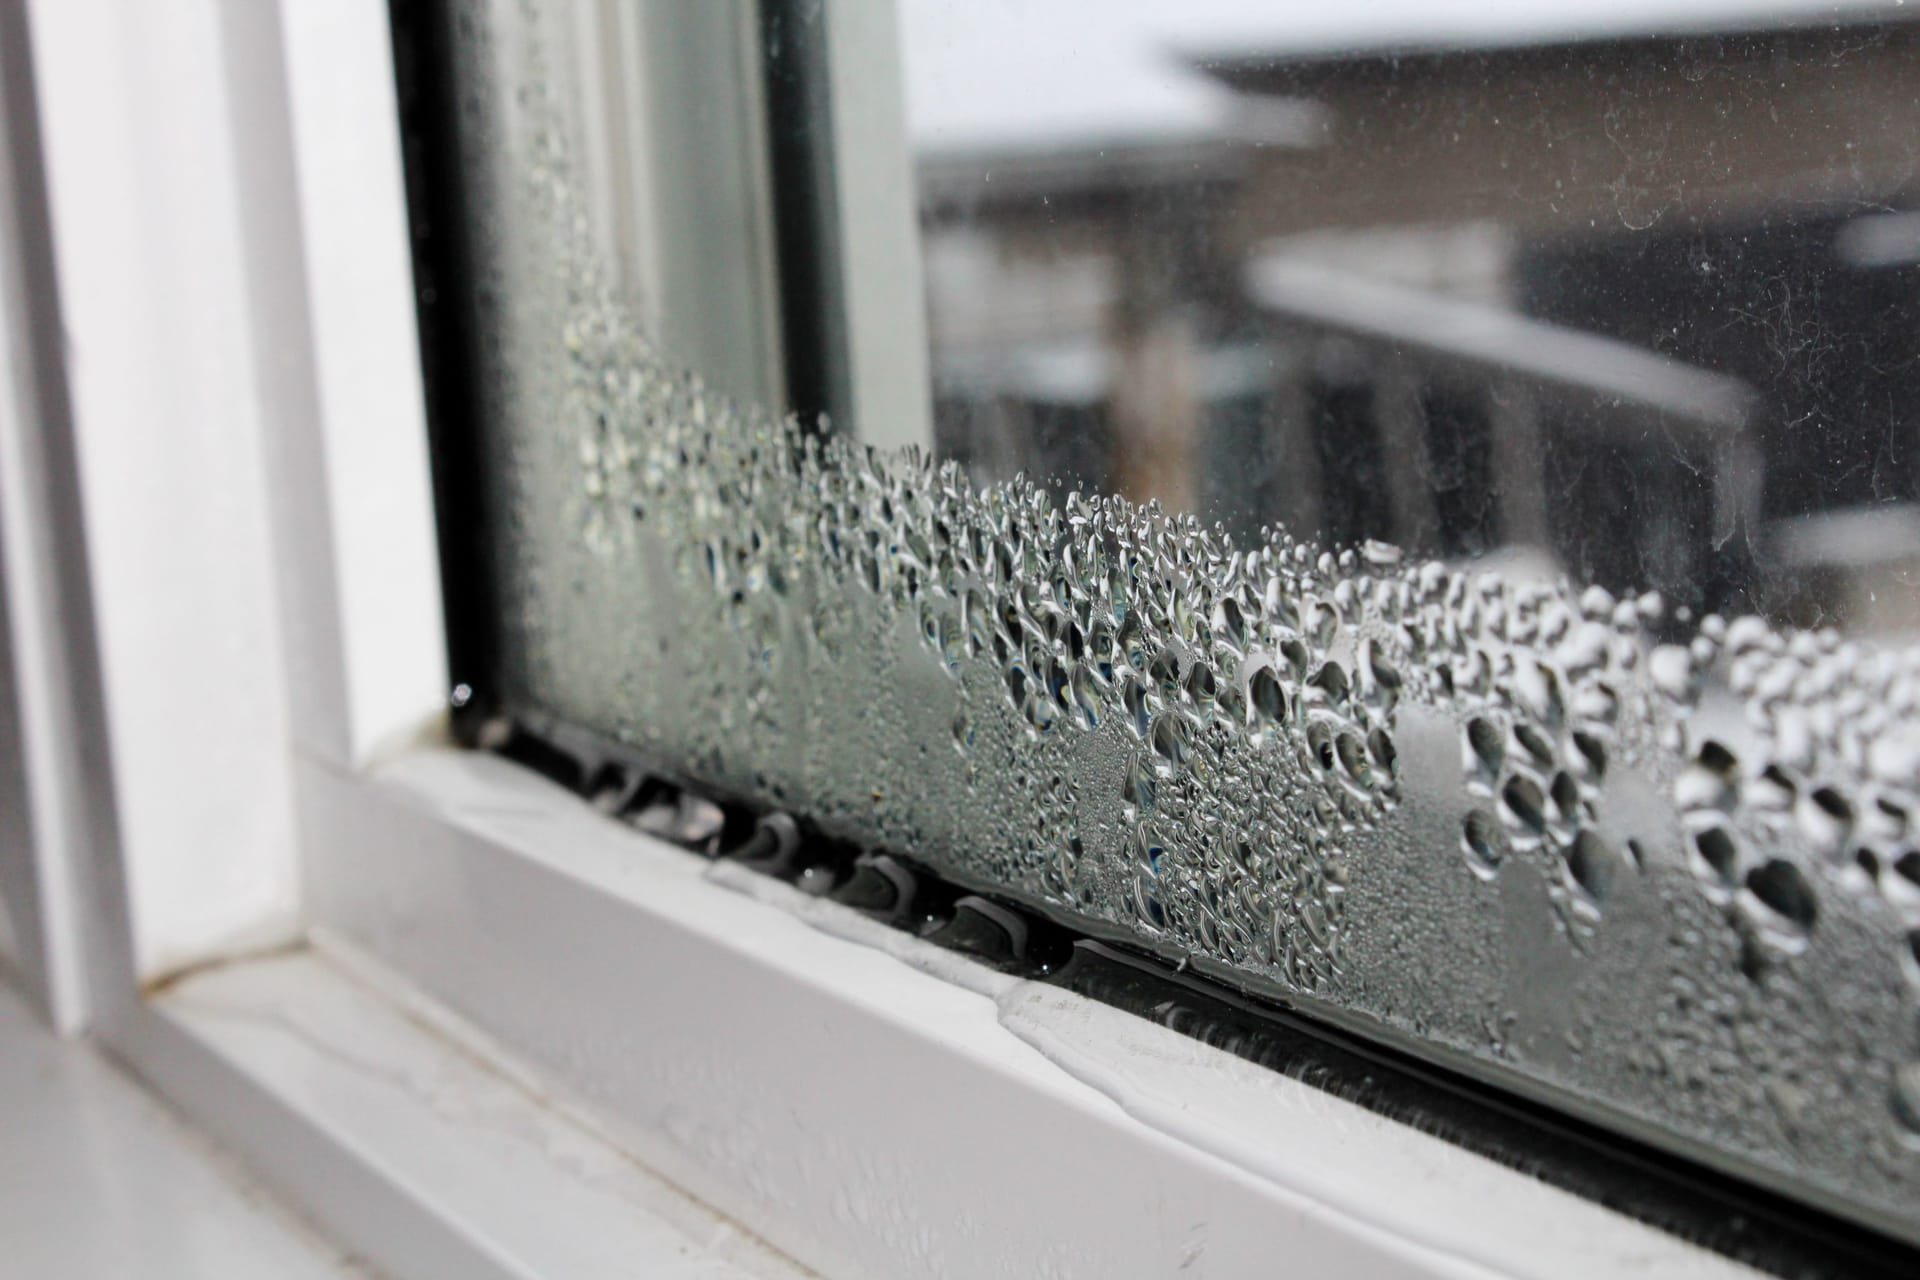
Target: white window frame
242 767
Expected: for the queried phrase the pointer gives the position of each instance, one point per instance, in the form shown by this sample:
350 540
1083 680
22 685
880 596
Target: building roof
1018 78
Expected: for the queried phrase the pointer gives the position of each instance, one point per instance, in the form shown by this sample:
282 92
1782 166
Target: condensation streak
1662 871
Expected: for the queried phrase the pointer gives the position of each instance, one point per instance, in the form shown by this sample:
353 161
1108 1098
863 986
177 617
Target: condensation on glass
1420 524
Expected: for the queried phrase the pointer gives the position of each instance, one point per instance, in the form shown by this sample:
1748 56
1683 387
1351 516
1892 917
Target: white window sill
101 1182
817 1077
455 1167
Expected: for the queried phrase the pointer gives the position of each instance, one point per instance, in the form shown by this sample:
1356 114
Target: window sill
866 1103
413 1151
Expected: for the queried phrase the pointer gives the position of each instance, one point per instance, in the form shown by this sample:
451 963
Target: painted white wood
232 273
138 124
33 916
879 227
60 872
337 240
485 1168
98 1181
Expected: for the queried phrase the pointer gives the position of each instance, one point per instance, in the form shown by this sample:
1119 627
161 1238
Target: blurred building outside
1637 308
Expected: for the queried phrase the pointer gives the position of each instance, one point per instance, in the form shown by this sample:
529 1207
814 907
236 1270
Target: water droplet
1535 743
1538 690
1320 744
1906 1098
1590 755
1380 744
1331 681
1783 890
1200 683
1086 696
1591 864
1719 854
1381 555
1671 669
1264 694
1140 788
1825 819
1352 753
1483 842
1133 696
1486 747
1322 624
1170 737
1566 796
1523 803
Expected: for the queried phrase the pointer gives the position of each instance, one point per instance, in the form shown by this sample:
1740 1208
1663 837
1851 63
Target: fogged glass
1416 523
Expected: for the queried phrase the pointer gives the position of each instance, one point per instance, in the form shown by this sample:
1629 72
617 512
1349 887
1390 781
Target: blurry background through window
1624 291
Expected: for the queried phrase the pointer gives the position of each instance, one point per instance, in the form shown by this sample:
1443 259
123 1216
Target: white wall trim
65 886
337 233
240 350
879 227
137 117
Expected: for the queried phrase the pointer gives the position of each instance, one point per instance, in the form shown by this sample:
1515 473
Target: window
1409 515
1378 541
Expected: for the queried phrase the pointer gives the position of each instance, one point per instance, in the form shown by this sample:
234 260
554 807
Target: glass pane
1419 524
1622 291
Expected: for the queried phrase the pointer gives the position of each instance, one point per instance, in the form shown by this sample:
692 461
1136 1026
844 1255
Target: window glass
1622 291
1419 519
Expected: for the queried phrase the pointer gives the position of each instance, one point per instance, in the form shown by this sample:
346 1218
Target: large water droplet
1484 844
1265 696
1592 864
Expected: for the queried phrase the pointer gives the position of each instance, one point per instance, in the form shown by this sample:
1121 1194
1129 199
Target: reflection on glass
1621 291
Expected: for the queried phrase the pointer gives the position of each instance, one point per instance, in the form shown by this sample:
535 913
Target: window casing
399 859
